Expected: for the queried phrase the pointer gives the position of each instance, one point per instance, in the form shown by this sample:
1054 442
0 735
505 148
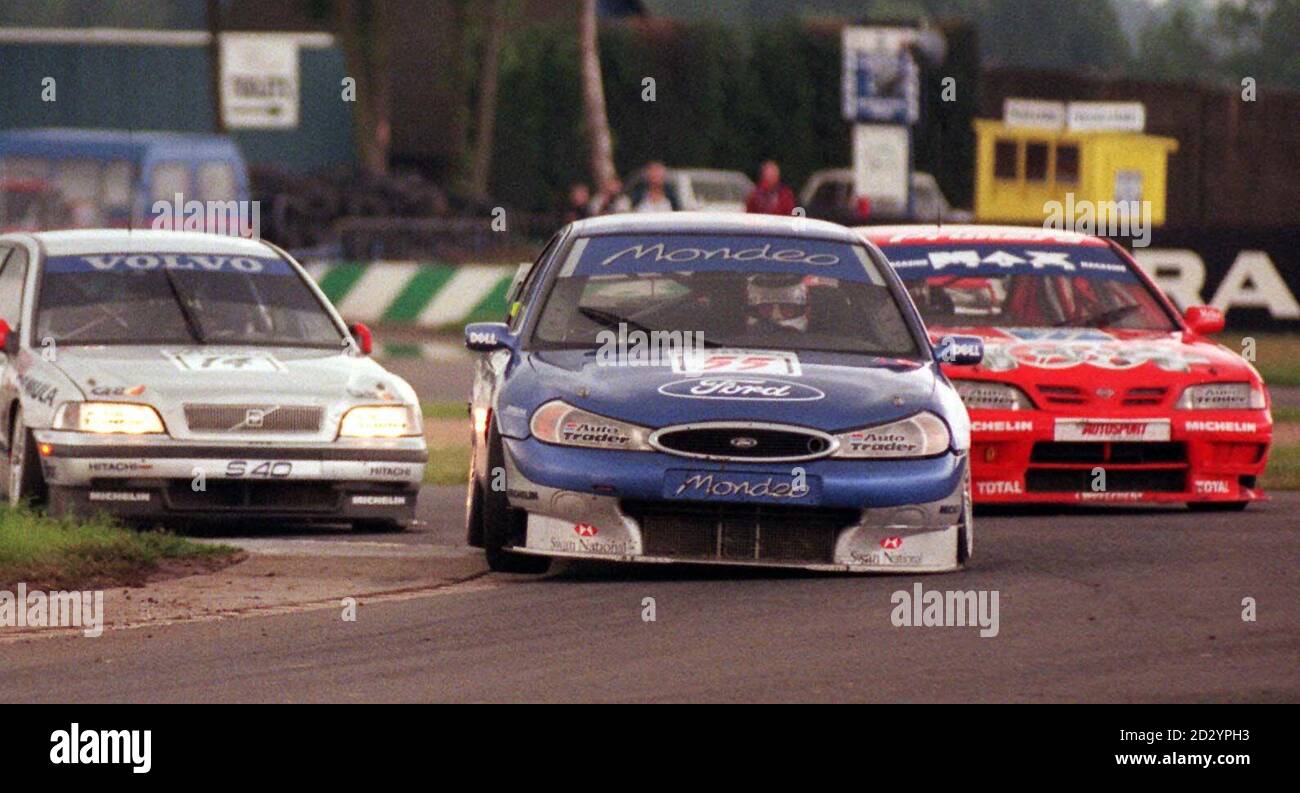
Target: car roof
712 223
96 241
886 236
60 141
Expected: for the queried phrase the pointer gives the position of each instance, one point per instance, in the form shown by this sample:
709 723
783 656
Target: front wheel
502 525
23 481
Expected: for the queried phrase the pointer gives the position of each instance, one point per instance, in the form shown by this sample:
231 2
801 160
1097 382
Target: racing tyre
966 534
23 480
503 525
1217 506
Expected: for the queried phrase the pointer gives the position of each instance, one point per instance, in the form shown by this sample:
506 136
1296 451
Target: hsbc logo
891 543
585 530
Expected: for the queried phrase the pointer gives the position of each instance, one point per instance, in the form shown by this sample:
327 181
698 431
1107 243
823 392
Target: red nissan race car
1093 389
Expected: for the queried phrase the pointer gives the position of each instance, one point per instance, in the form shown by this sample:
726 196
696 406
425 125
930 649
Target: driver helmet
777 299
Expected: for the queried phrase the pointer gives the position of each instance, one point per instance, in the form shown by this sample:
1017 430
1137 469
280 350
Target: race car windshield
1026 285
166 298
777 293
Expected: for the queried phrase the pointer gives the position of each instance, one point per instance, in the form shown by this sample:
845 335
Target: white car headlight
982 395
1221 396
379 421
922 435
123 418
561 423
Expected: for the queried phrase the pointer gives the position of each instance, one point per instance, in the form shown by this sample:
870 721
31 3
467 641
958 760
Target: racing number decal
270 469
746 361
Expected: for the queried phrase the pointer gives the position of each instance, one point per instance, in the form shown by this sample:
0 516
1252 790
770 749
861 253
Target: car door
13 271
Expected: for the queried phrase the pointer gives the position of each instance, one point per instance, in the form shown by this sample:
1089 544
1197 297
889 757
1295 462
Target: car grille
742 442
1119 452
225 495
1144 396
253 418
740 532
1118 480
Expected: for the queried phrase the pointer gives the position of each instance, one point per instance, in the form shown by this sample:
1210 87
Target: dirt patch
256 583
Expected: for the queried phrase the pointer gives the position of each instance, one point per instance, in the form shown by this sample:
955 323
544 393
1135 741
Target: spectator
610 200
657 196
770 197
579 198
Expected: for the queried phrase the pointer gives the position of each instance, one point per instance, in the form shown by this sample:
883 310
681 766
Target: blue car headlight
562 424
922 435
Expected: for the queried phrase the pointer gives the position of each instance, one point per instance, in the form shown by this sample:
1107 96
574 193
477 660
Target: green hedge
723 100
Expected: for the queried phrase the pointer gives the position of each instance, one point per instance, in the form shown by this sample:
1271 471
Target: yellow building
1020 169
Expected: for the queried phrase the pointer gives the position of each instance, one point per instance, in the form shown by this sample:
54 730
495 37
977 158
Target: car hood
170 377
831 392
1085 357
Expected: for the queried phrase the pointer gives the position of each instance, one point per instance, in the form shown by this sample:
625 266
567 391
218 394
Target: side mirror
488 336
362 336
1205 320
960 350
9 338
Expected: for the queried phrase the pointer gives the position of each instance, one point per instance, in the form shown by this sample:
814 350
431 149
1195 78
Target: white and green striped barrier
415 293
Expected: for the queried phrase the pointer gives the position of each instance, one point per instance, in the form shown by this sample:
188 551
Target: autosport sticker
734 486
753 362
238 362
1111 430
760 389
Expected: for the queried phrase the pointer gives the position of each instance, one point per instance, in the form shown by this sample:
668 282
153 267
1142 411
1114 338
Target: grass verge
1277 355
71 554
444 410
1283 472
448 465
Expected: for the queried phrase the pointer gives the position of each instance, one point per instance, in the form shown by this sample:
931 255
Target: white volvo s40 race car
165 375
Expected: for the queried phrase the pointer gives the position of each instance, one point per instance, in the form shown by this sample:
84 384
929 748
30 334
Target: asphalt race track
1133 605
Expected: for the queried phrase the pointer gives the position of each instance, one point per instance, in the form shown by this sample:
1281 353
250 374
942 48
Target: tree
596 124
489 78
361 28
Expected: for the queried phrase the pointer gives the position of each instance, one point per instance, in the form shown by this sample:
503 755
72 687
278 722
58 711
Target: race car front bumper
609 505
1020 457
139 477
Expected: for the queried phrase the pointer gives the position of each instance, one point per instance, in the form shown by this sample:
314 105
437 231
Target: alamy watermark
1129 218
62 609
637 347
230 218
946 609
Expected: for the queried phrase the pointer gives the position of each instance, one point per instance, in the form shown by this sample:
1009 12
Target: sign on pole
880 77
259 81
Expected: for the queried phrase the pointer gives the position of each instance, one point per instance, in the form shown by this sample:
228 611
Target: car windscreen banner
147 262
924 261
667 253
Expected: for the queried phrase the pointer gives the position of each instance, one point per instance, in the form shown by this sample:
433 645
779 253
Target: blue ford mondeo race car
717 389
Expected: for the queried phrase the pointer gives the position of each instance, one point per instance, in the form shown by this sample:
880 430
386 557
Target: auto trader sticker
1111 430
742 388
210 362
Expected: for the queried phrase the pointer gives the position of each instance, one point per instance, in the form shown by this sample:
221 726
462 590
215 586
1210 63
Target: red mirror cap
4 330
363 337
1205 320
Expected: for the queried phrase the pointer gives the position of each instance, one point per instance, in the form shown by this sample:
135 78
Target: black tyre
502 525
23 480
966 534
1217 506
